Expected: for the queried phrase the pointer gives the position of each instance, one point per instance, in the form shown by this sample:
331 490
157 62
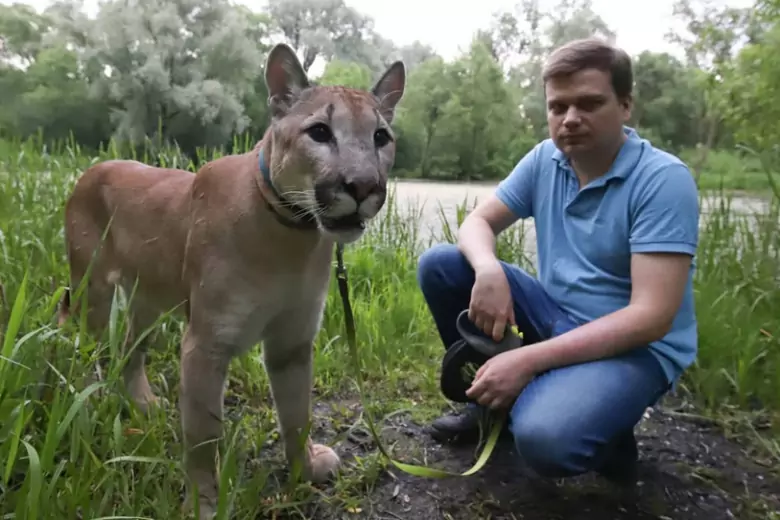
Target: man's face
583 113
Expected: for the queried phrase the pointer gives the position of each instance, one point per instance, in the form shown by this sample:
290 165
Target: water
426 198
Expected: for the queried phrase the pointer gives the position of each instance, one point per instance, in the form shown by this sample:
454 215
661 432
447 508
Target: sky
448 26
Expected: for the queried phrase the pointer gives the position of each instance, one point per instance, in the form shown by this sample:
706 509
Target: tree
190 72
173 70
346 73
666 100
317 28
713 34
752 84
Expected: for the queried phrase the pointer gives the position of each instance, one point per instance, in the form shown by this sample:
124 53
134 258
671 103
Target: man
609 324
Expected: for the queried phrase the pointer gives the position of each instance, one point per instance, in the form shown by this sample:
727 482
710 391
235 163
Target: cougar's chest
262 292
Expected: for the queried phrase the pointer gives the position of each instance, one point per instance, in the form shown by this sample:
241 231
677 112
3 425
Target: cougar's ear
284 77
389 89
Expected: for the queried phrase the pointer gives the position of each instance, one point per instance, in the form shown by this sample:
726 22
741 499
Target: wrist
485 263
536 357
477 243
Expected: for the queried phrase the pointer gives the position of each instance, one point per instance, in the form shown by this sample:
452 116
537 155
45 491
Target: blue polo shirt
647 202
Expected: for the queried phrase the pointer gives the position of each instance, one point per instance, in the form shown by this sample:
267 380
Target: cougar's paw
325 463
146 402
207 508
144 407
140 391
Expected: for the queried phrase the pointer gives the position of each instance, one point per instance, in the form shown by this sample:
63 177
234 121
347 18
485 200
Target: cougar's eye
320 133
381 138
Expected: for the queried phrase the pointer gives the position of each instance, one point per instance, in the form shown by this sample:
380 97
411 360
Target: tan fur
210 244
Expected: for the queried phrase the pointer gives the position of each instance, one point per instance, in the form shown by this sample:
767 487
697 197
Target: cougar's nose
360 188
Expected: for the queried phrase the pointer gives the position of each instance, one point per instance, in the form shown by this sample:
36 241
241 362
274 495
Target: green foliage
753 89
189 74
459 119
72 448
730 170
348 74
178 82
667 105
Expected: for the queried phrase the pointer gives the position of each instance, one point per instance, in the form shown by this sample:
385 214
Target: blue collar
265 171
306 221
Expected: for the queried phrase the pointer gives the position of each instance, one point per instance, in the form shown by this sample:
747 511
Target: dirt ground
689 470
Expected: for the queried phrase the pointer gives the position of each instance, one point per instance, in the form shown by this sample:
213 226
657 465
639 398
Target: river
427 197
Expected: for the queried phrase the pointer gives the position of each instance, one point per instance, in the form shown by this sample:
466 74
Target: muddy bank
689 470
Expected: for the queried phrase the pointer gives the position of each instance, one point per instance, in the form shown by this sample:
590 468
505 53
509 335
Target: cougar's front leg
287 353
204 365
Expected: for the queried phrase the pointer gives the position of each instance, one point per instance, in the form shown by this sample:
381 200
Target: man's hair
592 53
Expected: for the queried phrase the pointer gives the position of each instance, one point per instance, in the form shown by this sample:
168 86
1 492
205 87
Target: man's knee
440 265
550 447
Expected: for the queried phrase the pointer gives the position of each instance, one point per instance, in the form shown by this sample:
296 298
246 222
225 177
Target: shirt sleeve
665 217
517 189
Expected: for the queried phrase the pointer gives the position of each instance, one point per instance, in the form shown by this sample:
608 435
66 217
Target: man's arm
511 201
477 235
658 281
664 237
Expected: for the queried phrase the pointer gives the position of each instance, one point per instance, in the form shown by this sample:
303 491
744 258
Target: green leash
412 469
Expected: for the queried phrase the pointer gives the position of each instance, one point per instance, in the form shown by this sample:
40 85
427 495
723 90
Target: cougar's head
331 148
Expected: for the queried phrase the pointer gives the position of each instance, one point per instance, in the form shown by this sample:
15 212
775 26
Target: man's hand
491 307
499 381
658 283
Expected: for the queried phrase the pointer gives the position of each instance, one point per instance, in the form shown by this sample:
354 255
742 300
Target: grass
734 171
71 448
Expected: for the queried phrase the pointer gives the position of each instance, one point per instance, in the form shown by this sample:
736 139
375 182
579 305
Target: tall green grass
732 170
70 447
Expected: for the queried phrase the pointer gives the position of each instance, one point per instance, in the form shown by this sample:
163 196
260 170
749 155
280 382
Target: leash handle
412 469
483 344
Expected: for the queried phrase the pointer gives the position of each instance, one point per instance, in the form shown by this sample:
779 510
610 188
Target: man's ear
389 89
628 105
284 77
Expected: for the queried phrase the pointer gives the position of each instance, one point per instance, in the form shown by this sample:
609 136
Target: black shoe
462 426
622 468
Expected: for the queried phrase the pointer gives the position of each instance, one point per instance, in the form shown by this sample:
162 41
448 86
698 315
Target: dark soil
689 470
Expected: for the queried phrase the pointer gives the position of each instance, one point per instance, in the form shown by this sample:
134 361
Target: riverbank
72 450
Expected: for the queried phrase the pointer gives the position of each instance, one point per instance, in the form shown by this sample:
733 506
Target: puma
244 247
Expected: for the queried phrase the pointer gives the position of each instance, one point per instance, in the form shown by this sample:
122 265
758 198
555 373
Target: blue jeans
569 420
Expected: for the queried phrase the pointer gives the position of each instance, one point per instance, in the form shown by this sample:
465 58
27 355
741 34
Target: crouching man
609 324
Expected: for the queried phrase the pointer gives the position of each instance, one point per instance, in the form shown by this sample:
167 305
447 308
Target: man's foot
461 426
622 469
